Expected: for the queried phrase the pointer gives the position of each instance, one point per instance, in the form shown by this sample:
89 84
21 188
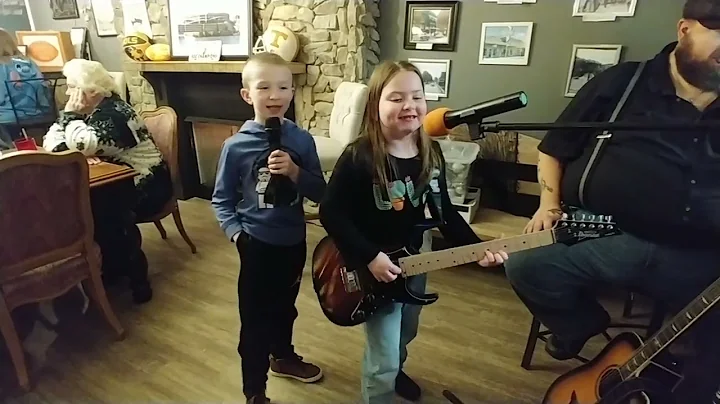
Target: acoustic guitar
349 296
627 370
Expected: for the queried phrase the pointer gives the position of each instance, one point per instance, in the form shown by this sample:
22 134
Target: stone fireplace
338 42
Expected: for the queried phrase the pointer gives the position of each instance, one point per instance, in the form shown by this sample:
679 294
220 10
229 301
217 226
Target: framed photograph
511 1
104 16
136 18
64 9
505 43
431 25
586 62
593 9
435 75
193 22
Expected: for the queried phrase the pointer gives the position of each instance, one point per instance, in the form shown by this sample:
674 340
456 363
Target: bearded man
661 187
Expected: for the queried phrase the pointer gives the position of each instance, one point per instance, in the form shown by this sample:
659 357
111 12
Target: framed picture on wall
594 9
586 62
195 22
505 43
435 74
64 9
431 25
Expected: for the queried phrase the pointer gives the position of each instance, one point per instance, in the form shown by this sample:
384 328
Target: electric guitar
349 296
627 370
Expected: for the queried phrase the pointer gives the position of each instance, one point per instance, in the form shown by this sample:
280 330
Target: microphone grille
434 123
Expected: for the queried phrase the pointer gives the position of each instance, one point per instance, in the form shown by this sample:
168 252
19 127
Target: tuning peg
609 218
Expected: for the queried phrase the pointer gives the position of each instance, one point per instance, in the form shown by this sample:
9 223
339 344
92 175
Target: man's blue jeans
557 282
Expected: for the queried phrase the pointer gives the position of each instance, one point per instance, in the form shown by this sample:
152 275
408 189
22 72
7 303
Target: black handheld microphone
273 129
280 189
439 121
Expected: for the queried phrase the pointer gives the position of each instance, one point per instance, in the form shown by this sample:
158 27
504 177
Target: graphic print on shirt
263 179
401 190
268 196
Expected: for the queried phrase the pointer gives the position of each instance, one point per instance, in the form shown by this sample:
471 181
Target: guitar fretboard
423 263
672 330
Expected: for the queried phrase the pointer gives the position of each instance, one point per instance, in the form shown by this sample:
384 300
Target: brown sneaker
294 368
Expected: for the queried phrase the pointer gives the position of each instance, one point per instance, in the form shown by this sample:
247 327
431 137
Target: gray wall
554 33
107 50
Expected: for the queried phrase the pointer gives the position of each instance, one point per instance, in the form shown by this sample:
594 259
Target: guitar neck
672 330
452 257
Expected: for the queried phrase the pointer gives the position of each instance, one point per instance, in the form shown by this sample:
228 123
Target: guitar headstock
576 227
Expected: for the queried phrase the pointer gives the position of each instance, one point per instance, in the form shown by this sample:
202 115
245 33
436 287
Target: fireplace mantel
200 67
201 94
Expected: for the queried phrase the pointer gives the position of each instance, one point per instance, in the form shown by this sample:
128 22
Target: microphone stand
496 126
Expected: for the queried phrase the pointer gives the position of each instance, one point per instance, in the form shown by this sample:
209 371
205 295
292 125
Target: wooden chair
47 248
162 125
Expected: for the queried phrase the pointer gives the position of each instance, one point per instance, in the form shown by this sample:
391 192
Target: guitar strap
604 137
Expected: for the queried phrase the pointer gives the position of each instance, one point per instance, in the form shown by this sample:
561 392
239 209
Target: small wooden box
50 50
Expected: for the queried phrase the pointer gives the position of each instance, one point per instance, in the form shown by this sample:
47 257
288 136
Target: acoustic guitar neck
452 257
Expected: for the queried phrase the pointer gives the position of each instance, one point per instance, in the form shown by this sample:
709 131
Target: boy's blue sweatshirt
236 201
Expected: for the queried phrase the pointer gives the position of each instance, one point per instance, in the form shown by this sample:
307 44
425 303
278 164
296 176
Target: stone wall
338 39
338 42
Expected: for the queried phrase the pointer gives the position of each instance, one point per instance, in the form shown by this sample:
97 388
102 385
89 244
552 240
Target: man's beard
702 74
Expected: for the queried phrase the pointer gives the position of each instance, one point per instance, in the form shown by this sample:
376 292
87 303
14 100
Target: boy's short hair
259 59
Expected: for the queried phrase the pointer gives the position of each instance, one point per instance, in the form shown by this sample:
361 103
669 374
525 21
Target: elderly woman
100 124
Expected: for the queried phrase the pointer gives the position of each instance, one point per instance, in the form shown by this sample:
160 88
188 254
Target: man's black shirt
662 186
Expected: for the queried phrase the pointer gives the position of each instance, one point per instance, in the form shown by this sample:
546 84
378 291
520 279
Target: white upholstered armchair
345 121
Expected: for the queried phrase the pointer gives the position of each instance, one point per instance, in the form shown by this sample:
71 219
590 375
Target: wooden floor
181 347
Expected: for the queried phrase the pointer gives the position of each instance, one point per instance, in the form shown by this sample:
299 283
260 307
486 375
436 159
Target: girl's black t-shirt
363 219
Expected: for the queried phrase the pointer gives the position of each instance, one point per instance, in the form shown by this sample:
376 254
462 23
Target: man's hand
544 218
279 162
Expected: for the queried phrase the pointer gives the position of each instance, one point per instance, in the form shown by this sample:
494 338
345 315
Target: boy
269 235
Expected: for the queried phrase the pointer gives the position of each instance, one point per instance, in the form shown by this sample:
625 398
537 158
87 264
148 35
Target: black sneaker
406 388
258 399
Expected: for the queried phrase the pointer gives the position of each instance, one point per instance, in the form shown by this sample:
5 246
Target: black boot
406 388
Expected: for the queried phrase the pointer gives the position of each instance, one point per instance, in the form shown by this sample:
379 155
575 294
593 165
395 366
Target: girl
378 193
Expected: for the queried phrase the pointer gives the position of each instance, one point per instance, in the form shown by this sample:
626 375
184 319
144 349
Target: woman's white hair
90 77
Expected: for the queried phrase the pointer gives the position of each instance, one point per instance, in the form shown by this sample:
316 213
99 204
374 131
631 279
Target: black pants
557 282
268 286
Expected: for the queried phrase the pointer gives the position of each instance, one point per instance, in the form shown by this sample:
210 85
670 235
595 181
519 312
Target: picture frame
22 49
64 9
505 43
231 24
507 2
436 76
587 61
104 17
431 25
591 10
50 50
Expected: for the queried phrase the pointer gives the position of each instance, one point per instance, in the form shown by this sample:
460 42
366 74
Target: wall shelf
200 67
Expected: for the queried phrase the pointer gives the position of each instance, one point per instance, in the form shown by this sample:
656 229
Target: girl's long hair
372 127
8 47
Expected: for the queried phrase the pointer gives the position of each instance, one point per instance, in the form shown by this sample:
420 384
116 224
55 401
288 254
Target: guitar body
599 381
349 296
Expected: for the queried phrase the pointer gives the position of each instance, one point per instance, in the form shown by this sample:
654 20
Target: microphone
280 189
439 121
273 129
